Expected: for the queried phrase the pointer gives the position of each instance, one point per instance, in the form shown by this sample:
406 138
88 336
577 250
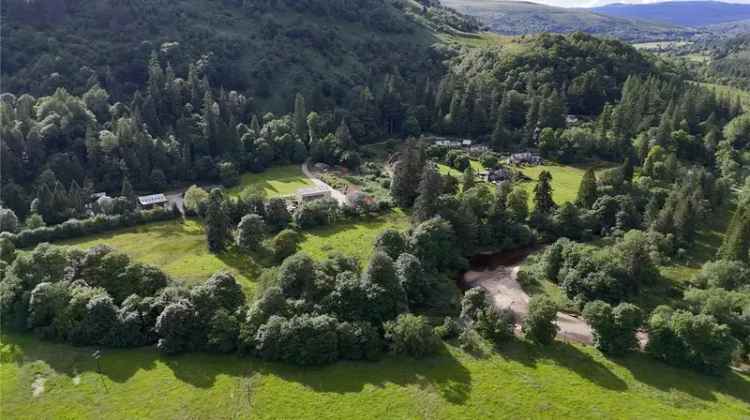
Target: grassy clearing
565 180
180 248
352 238
278 181
177 248
521 381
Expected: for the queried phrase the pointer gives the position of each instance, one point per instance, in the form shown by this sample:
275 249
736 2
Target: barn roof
147 200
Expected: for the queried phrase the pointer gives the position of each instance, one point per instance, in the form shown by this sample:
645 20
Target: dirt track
502 284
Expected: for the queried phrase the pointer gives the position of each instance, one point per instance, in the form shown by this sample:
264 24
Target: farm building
526 158
312 193
151 201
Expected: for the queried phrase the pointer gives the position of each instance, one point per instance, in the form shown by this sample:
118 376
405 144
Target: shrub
471 342
411 335
359 341
8 221
392 242
250 231
539 325
680 338
474 301
729 275
285 244
195 200
495 324
175 327
448 329
614 328
302 340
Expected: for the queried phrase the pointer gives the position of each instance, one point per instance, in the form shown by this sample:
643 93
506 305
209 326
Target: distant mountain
682 13
520 17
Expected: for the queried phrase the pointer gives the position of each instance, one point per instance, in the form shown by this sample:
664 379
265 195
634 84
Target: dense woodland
673 148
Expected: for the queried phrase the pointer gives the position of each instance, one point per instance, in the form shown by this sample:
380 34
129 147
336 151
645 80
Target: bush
285 244
250 232
614 328
471 342
359 341
411 335
448 329
175 327
539 325
680 338
195 200
8 221
729 275
302 340
495 324
316 213
392 242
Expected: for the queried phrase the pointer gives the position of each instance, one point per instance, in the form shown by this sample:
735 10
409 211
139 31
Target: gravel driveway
502 285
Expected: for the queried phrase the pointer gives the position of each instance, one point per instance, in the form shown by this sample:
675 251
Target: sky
589 3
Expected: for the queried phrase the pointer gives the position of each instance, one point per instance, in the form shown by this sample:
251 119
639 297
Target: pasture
47 380
278 181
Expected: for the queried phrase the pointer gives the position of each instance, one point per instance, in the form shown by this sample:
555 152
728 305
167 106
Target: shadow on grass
667 378
567 356
441 373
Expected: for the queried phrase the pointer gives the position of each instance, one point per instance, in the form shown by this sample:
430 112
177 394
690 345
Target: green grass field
41 380
180 248
177 248
353 238
278 181
565 180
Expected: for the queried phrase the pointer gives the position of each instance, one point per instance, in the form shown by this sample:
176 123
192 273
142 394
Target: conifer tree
587 191
543 201
430 188
406 175
216 221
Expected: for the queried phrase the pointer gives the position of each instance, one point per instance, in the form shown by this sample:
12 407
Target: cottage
466 143
312 193
151 201
525 159
500 175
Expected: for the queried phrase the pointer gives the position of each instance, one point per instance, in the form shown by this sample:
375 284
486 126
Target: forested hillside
265 49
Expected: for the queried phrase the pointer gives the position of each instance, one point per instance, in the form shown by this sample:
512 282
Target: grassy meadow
41 380
565 180
354 238
178 248
278 181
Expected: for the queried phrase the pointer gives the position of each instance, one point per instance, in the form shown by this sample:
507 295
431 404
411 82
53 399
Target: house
525 159
500 175
153 200
466 143
571 119
312 193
